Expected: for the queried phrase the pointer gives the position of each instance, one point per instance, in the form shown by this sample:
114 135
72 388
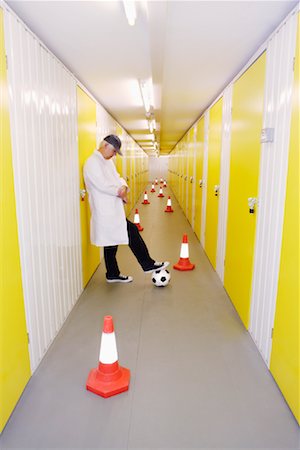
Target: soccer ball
161 278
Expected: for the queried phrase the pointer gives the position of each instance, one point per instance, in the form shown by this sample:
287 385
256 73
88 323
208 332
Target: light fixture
130 11
147 95
152 125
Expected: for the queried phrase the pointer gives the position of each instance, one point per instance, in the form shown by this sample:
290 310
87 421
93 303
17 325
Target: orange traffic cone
169 205
156 181
136 220
161 181
160 192
152 188
146 201
108 378
165 184
184 262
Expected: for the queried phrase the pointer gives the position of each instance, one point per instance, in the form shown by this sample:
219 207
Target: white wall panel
45 160
272 184
105 124
224 180
158 167
204 178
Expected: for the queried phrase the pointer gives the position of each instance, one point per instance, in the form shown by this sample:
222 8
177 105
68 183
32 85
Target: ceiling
190 49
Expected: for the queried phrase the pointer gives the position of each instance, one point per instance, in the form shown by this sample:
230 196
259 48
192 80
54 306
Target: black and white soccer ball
161 278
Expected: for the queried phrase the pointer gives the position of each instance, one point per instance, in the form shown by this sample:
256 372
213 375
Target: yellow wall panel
86 108
285 347
247 116
14 355
199 175
190 184
213 178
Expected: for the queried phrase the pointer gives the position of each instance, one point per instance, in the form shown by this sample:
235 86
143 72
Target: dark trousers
137 246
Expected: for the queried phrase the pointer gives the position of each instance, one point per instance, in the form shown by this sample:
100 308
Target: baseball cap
115 141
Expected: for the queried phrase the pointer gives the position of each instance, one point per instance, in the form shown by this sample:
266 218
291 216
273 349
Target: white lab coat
108 220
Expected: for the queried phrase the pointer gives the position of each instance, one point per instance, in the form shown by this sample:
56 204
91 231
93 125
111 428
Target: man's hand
122 193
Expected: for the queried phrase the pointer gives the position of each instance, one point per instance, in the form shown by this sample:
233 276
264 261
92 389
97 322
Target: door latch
252 201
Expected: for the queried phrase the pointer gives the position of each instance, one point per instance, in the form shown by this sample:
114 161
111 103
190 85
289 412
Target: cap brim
119 151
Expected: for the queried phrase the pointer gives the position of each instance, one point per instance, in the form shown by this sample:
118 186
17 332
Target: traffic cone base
169 209
184 264
111 383
139 227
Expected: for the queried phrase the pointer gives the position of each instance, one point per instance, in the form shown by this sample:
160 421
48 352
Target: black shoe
157 266
119 279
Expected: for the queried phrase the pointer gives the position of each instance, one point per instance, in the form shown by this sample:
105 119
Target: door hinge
272 333
6 62
28 338
294 63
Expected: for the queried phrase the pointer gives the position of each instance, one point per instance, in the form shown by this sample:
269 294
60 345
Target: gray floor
197 379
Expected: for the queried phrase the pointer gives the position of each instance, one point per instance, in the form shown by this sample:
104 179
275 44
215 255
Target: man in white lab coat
109 226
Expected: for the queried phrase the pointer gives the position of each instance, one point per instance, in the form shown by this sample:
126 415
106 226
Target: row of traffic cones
161 182
109 378
136 219
146 200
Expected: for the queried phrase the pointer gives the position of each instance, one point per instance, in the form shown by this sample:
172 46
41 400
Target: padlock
252 201
82 194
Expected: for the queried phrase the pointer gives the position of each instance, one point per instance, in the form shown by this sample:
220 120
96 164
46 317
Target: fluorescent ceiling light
152 125
130 11
147 94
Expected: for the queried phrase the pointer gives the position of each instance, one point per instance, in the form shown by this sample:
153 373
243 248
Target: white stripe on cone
145 196
136 218
169 202
108 348
184 251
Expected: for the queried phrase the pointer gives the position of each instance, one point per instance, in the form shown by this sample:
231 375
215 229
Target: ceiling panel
190 49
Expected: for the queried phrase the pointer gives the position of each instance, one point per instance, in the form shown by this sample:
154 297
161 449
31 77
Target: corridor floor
197 379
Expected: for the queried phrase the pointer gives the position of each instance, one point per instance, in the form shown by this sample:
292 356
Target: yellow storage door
199 175
181 173
185 173
247 115
213 180
286 346
86 109
128 179
14 356
133 178
118 160
190 180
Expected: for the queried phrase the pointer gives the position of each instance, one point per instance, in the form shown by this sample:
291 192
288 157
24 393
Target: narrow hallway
197 379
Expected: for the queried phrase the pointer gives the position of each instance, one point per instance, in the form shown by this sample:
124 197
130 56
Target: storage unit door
247 116
86 109
213 180
14 361
185 174
190 175
199 176
285 348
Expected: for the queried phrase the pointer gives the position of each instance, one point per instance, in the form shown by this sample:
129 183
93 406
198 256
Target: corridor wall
258 102
49 259
14 356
